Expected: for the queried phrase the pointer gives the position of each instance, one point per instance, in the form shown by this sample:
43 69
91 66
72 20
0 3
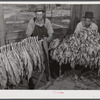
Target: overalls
41 32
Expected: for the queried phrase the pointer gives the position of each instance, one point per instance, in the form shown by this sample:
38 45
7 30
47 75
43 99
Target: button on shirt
31 26
80 26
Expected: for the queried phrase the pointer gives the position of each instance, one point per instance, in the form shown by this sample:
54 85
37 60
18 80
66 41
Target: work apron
41 32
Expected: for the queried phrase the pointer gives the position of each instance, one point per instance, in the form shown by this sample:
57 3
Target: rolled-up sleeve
95 27
30 27
49 27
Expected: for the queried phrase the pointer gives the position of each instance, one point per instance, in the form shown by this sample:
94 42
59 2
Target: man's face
87 22
39 15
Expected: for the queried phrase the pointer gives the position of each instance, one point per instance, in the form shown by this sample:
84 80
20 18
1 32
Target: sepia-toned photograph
49 46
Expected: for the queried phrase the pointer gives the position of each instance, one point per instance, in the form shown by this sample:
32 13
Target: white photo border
50 94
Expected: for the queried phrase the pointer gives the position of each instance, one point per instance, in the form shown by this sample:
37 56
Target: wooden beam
2 27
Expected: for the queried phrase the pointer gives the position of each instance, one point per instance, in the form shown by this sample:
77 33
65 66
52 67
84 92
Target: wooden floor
42 83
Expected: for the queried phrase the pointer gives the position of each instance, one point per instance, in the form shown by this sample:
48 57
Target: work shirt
81 25
31 26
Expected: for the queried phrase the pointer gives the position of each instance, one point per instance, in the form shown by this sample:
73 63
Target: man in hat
86 23
41 27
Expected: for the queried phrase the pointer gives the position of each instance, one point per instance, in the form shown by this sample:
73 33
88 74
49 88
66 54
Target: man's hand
50 38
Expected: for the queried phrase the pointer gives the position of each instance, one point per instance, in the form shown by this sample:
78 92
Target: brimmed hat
40 8
89 15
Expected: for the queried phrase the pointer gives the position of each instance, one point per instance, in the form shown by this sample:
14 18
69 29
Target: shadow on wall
98 23
76 21
21 36
72 26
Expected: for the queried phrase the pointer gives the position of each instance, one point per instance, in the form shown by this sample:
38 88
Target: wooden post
2 27
51 13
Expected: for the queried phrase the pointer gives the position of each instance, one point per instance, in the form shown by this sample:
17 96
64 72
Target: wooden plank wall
15 37
2 27
77 11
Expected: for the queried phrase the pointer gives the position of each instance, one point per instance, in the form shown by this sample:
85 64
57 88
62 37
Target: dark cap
40 8
88 15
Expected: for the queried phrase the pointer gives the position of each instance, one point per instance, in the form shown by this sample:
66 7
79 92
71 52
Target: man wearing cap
86 23
40 26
